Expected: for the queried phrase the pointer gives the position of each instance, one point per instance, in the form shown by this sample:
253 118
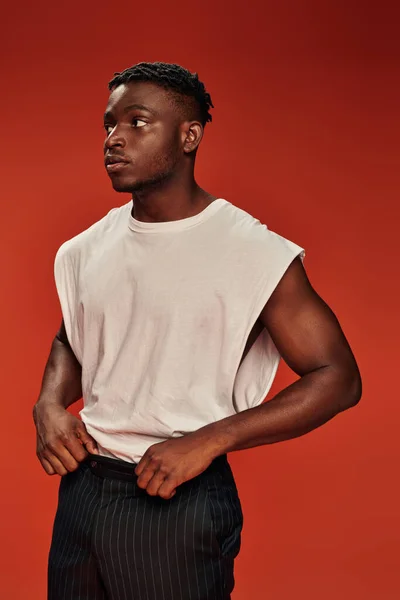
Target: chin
119 185
139 185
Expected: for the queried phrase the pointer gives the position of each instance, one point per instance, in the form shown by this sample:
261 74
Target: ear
192 134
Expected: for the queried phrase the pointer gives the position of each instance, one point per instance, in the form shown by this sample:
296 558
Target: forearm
308 403
61 384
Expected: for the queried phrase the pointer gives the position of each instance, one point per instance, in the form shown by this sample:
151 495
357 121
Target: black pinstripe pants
112 541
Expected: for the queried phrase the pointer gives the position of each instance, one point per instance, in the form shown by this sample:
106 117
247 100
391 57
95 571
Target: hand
62 439
164 466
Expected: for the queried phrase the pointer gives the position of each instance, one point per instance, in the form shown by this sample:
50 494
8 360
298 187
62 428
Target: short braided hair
171 77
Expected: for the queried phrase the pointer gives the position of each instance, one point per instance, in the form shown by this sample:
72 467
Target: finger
145 476
55 463
155 483
76 449
69 451
47 466
142 464
87 440
167 489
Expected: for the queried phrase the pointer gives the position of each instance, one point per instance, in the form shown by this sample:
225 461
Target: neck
171 202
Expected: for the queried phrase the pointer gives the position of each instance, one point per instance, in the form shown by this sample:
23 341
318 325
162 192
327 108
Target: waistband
115 468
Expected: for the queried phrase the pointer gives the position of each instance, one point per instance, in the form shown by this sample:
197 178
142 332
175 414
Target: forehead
149 95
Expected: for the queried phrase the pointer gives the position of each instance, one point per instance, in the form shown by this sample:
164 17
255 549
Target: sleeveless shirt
158 315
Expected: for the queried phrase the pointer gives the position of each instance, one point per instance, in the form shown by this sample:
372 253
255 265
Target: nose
115 139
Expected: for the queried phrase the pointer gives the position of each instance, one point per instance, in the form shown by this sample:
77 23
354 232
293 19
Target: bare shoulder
304 328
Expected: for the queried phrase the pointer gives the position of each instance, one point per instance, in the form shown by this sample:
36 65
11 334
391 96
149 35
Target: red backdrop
305 137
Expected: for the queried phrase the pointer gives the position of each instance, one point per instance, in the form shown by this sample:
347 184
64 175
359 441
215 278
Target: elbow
353 389
347 385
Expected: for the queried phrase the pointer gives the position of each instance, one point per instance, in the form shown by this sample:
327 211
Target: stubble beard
166 171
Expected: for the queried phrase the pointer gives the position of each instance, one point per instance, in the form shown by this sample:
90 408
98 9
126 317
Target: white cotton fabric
158 315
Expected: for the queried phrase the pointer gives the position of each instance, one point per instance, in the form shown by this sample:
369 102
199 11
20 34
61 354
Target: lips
115 163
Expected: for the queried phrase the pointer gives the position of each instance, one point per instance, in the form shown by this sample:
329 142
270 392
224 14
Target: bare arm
61 437
61 384
309 338
311 341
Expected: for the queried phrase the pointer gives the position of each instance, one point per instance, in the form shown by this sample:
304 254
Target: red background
305 137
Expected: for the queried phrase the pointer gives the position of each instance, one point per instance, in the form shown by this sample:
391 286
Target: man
176 308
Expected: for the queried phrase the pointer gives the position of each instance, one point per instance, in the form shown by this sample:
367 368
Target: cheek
159 152
154 150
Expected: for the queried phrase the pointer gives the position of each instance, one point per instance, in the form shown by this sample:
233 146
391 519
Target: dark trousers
112 541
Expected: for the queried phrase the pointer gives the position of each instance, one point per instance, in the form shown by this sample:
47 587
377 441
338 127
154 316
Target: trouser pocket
225 511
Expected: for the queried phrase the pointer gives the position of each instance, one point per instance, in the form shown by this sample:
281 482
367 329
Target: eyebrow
131 107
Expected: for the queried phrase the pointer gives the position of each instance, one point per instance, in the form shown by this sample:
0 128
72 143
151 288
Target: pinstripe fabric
112 541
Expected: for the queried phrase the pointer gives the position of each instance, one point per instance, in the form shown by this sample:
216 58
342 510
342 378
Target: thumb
86 439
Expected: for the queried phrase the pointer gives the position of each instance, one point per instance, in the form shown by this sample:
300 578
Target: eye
142 123
108 129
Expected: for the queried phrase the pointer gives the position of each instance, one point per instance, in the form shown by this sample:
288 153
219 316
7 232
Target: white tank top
158 315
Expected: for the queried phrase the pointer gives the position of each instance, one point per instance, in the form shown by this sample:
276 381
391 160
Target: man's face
144 142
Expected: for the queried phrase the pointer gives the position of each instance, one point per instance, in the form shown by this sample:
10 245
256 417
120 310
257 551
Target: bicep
302 326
